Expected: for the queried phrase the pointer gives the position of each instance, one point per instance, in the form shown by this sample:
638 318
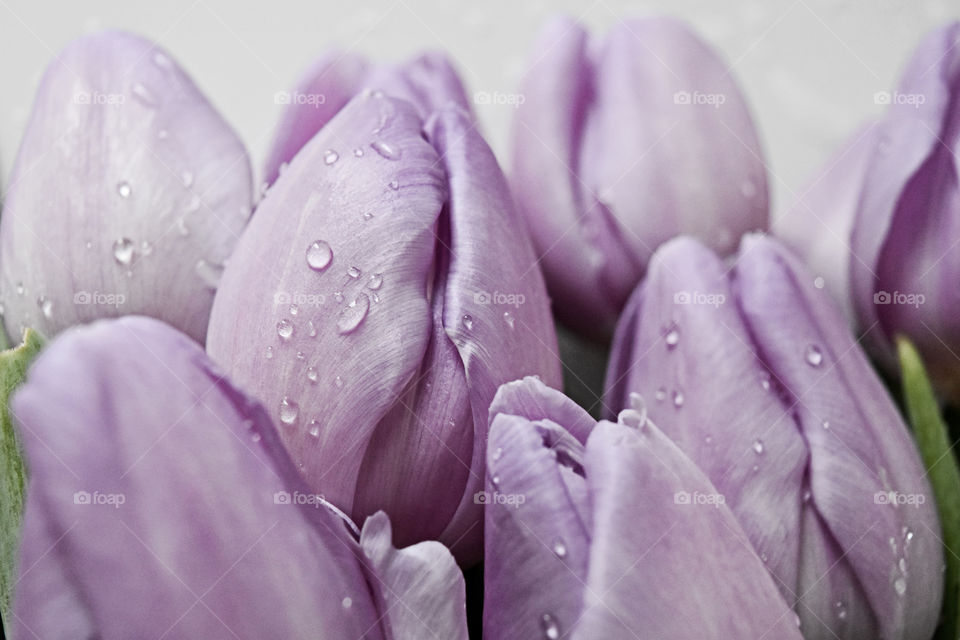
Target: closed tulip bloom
607 530
162 504
753 373
376 303
621 144
905 258
127 196
428 81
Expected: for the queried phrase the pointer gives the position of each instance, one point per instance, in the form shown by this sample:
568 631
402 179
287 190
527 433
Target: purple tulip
603 530
428 81
621 144
754 375
128 194
905 256
379 297
162 504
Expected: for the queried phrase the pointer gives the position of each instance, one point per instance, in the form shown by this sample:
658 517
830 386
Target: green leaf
930 431
13 369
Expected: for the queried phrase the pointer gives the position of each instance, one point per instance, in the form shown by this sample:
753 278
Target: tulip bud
603 530
376 303
754 375
127 196
905 257
621 144
428 81
185 517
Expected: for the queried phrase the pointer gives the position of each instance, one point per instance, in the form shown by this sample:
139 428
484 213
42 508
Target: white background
809 67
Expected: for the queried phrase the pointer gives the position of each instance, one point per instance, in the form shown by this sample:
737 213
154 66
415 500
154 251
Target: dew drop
902 564
123 189
312 374
559 548
346 603
358 152
301 355
632 418
123 251
338 296
311 329
900 585
498 454
182 227
187 178
468 322
841 610
330 156
375 281
269 353
385 149
671 336
818 282
289 410
141 93
508 318
284 329
677 398
209 273
395 184
146 248
551 630
161 60
314 430
825 424
368 216
814 356
319 255
661 394
353 315
294 309
46 306
338 382
758 446
353 272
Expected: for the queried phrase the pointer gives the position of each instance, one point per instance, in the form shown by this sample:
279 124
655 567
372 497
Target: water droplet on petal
758 446
314 430
825 424
814 356
346 603
311 329
123 251
632 418
661 394
818 282
900 585
678 398
284 329
671 336
161 60
508 318
368 216
338 382
319 255
358 152
559 548
353 272
330 156
394 184
269 352
338 296
182 227
353 314
551 630
209 273
312 374
289 410
187 178
46 306
375 281
468 321
902 565
143 94
498 454
385 149
124 190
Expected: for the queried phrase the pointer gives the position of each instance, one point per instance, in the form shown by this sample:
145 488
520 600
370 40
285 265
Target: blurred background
809 68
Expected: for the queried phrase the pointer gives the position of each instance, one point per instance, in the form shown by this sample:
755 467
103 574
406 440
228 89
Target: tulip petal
531 399
915 141
680 333
862 460
165 517
537 538
423 592
658 563
128 193
317 96
495 309
662 566
819 225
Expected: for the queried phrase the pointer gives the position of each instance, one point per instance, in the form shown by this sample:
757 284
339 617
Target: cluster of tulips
302 410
